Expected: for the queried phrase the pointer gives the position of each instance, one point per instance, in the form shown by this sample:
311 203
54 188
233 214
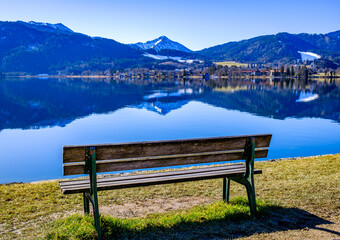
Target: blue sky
196 24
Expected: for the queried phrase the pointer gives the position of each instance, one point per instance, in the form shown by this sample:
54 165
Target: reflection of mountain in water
278 102
162 108
37 103
164 102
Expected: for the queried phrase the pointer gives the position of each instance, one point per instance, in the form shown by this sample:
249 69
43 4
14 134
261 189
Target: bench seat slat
162 161
174 172
159 178
159 148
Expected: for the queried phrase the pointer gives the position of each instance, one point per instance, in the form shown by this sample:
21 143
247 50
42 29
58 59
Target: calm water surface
39 116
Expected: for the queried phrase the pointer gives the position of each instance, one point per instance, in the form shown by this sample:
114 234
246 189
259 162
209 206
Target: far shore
336 77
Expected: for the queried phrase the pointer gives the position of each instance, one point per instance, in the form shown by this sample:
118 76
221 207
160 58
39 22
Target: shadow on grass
214 221
234 226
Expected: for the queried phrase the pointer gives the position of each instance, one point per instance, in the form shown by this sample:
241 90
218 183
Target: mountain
49 27
326 42
161 43
35 48
44 48
163 48
281 47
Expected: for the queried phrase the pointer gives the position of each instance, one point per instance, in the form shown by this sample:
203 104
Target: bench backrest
141 155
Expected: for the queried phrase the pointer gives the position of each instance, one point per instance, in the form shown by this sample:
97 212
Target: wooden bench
90 159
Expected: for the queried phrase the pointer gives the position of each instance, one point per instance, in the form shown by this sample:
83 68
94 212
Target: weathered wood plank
160 176
161 161
159 148
157 180
151 175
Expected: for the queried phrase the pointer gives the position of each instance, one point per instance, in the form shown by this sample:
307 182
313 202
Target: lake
38 116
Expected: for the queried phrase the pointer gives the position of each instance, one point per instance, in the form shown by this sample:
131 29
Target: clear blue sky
196 24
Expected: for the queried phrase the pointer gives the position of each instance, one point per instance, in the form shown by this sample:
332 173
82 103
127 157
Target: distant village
230 70
305 69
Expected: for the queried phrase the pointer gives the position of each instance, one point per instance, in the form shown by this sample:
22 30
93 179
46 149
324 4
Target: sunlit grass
207 220
231 63
311 184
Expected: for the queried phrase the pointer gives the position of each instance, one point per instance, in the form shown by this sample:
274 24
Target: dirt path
161 205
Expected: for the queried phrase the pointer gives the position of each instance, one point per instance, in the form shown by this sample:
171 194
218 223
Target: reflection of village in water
35 103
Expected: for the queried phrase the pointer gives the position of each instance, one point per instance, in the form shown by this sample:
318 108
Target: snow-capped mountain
49 27
161 43
163 48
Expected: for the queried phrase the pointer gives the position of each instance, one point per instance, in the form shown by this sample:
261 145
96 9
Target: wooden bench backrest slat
67 183
73 154
162 161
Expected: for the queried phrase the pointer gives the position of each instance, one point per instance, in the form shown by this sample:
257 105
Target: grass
299 197
198 222
231 63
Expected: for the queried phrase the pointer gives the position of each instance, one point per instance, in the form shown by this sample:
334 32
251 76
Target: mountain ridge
56 27
161 43
278 47
44 48
34 47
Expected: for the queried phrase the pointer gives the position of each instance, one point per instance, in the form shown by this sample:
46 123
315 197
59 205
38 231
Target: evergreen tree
292 73
304 72
282 70
288 71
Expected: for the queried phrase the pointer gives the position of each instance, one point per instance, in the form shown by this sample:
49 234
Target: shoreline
137 171
155 77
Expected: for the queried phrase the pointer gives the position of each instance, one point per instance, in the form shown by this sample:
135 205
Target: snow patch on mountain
309 56
179 59
49 26
162 43
158 41
33 48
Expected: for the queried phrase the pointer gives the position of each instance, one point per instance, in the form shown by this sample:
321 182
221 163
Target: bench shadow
270 219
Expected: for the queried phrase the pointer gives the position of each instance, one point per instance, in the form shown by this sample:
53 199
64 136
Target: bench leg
93 198
251 197
249 184
248 178
96 214
91 168
226 189
86 204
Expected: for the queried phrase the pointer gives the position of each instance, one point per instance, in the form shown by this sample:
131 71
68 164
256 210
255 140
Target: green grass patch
300 186
208 220
217 220
231 63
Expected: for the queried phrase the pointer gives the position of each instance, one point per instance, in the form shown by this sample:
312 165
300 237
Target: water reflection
39 116
36 103
280 99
